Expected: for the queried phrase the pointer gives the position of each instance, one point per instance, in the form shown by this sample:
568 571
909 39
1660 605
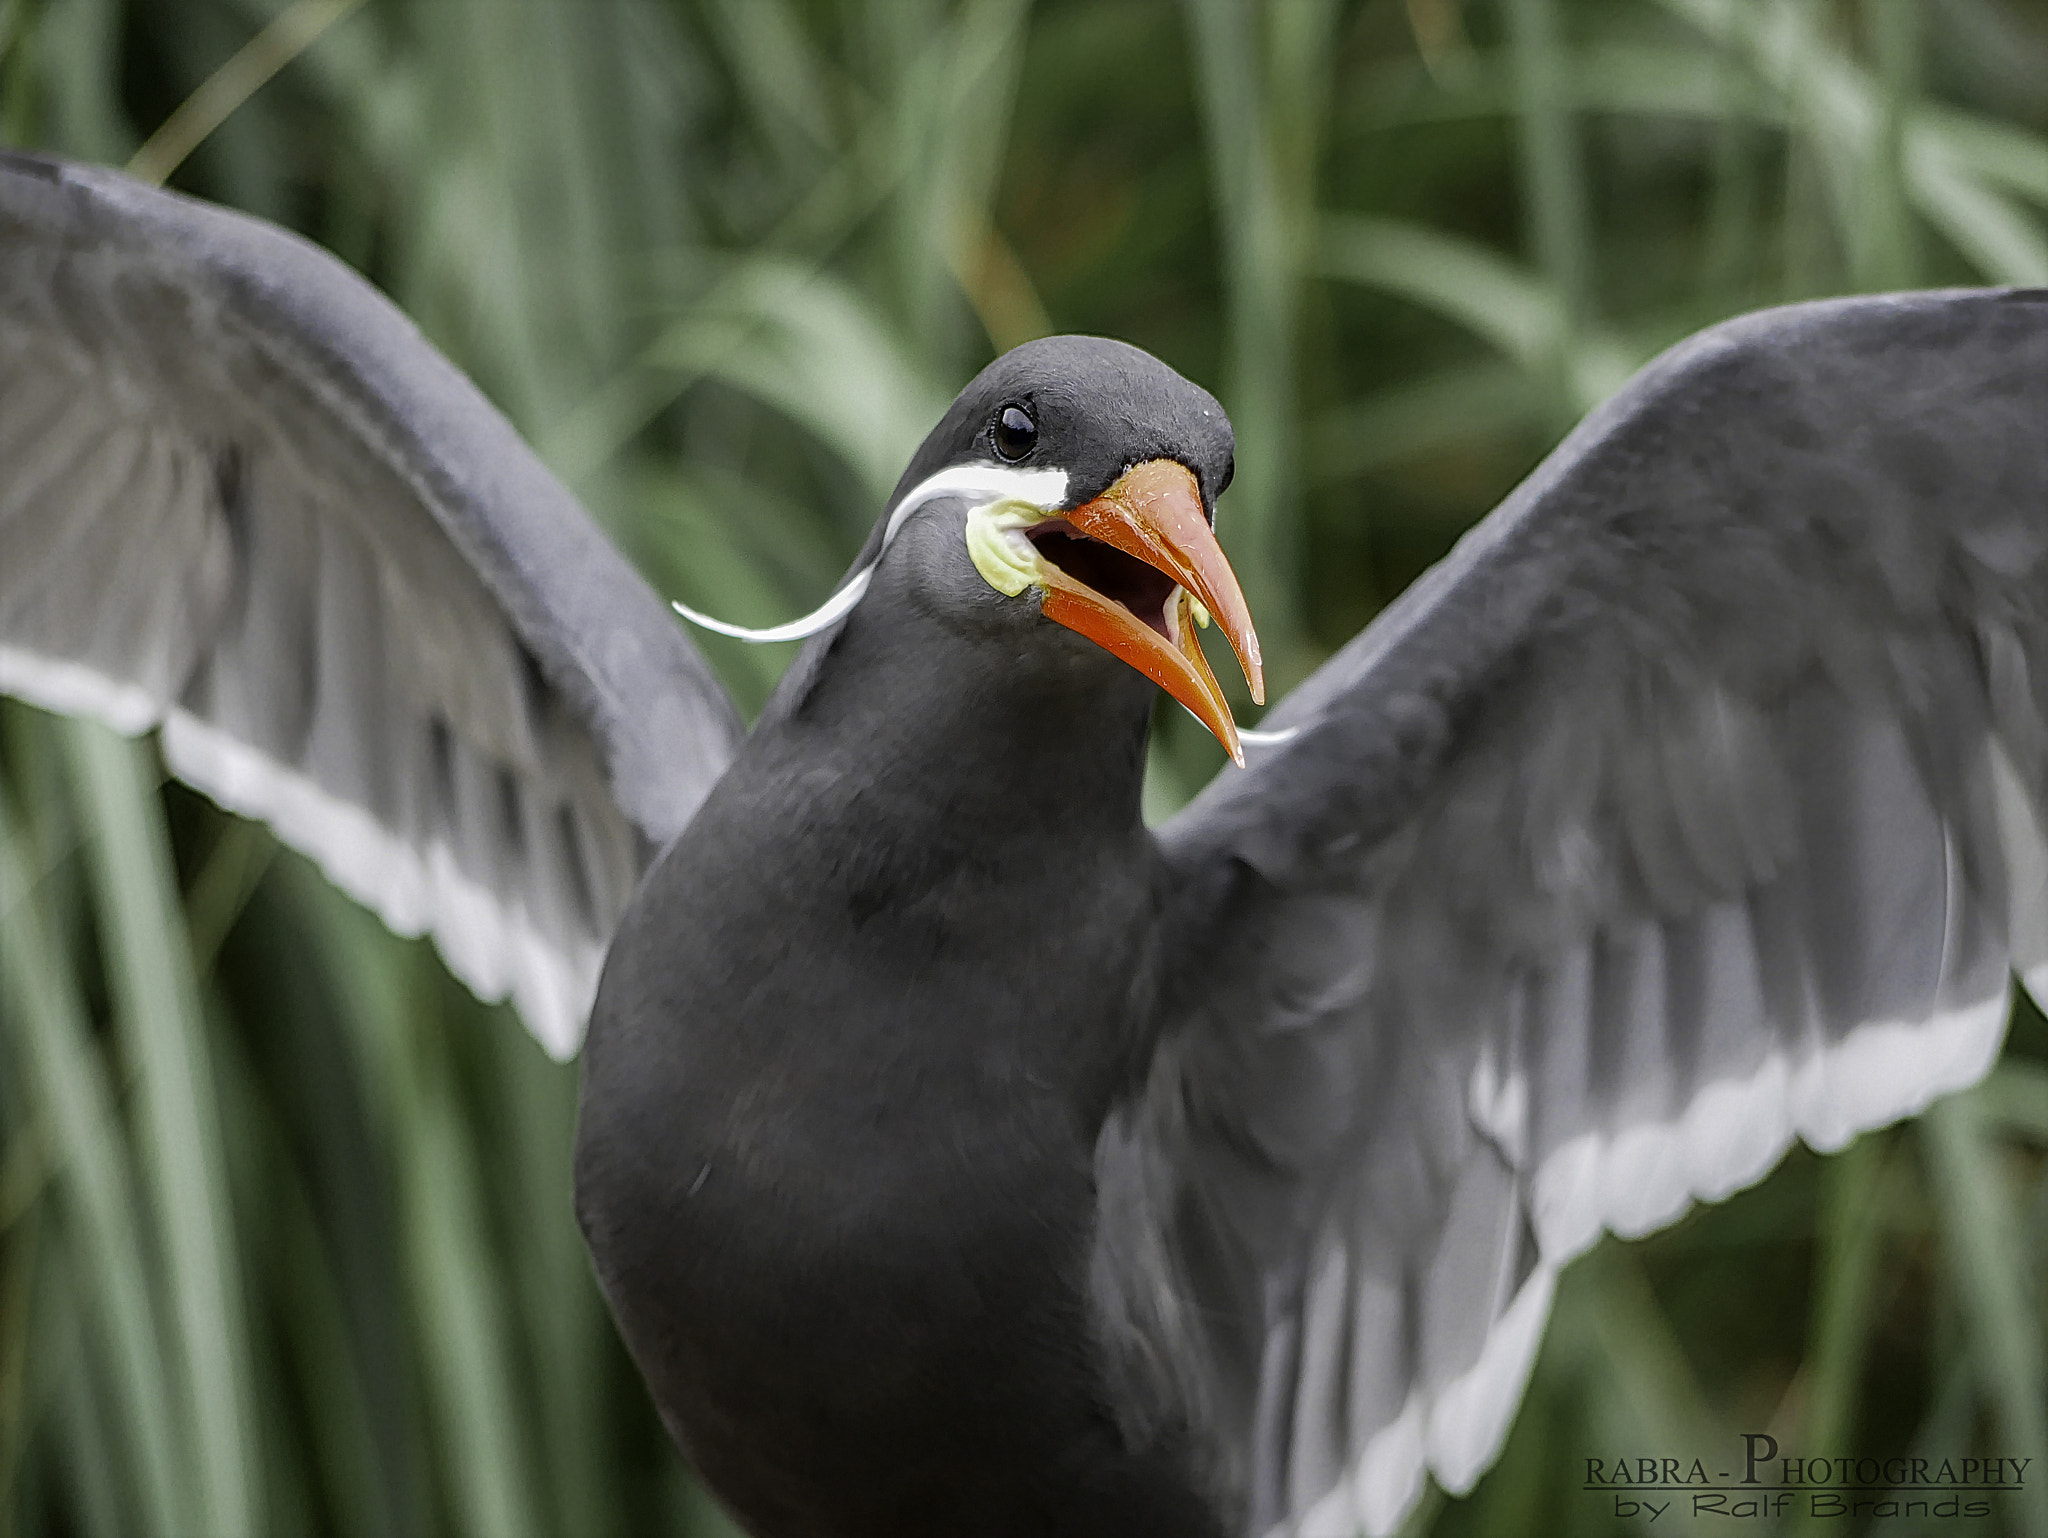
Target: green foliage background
285 1241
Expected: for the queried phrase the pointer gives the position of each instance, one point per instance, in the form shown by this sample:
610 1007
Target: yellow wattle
1005 567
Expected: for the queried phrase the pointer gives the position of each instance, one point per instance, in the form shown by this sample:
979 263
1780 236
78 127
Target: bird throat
840 1106
942 730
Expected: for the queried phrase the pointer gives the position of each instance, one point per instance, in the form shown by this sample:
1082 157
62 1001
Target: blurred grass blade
779 72
990 66
953 107
96 1464
1842 106
1610 1339
149 965
1438 412
559 1313
1257 233
1520 314
234 867
1610 77
76 44
1991 152
22 1264
462 1326
1883 248
328 1480
342 1443
69 1085
463 1323
1645 1388
1733 212
1479 289
807 345
1852 1233
2000 1298
1553 179
2015 1100
2005 245
295 30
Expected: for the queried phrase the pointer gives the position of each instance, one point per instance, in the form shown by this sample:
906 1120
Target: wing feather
1693 805
243 500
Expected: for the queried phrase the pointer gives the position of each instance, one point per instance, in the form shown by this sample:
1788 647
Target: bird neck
974 733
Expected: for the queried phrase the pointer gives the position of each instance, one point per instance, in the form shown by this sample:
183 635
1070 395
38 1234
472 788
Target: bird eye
1015 432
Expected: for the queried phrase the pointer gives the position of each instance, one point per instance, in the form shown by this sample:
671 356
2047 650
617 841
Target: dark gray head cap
1100 406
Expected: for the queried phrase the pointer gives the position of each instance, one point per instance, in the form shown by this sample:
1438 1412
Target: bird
957 1153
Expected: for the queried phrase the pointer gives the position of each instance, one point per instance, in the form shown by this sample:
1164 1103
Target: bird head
1088 473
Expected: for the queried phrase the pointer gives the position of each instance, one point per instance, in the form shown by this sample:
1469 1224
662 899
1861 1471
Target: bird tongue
1154 514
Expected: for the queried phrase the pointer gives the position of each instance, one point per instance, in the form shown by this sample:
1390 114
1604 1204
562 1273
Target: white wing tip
1882 1072
72 689
1637 1180
1470 1418
1389 1477
1733 1131
493 949
1455 1433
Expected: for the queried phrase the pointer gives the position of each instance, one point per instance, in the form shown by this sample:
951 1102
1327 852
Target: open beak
1154 515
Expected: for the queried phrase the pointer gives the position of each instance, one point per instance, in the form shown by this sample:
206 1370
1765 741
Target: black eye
1015 432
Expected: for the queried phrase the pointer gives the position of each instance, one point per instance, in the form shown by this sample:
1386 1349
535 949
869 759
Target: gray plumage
1694 804
244 499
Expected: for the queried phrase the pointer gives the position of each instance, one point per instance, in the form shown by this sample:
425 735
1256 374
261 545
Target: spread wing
243 499
1694 804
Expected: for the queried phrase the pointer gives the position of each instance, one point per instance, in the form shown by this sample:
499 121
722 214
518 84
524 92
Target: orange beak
1154 514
